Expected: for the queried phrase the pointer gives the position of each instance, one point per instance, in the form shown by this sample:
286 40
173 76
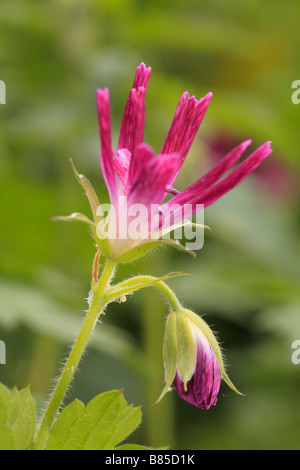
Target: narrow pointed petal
211 176
187 119
193 196
132 132
200 111
180 113
132 126
216 191
106 155
142 76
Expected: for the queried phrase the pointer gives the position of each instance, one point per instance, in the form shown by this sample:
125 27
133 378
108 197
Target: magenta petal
132 131
139 159
235 177
149 176
142 76
203 387
106 155
187 119
121 165
211 177
183 108
132 127
200 110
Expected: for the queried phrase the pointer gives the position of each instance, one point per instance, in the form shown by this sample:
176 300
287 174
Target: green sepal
143 248
178 350
103 245
90 193
169 353
75 216
184 223
186 348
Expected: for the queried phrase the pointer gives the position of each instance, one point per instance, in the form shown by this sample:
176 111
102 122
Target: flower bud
192 359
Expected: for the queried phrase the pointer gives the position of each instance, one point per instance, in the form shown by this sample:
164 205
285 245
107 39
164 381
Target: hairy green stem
97 304
169 294
139 282
102 295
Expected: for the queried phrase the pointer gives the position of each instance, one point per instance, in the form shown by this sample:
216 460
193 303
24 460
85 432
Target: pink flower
203 387
193 360
134 173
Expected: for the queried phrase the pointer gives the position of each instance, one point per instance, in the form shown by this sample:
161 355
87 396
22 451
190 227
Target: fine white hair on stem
62 365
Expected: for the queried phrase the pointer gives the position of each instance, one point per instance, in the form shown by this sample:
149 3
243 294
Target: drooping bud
192 359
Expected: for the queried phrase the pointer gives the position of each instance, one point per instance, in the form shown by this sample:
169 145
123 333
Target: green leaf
131 447
17 419
139 447
101 425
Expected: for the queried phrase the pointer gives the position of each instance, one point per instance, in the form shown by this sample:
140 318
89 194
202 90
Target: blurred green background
53 56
